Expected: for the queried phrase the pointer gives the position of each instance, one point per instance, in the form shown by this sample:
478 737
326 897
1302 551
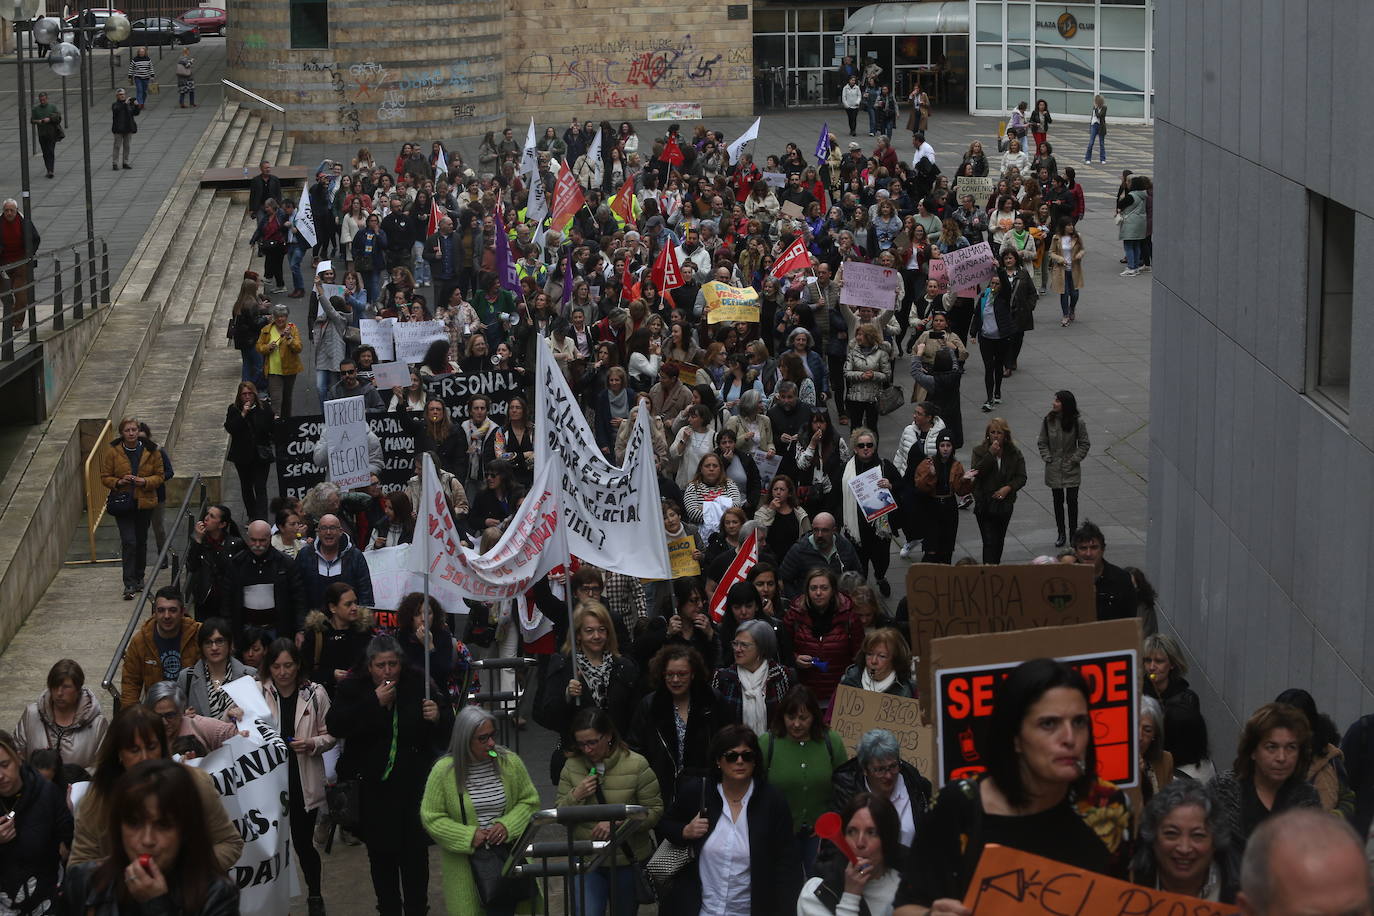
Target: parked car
157 32
208 20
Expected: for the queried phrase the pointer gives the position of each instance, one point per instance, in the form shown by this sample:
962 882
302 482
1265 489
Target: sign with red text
968 670
869 285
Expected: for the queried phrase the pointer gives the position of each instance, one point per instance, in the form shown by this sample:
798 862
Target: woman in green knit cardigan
478 793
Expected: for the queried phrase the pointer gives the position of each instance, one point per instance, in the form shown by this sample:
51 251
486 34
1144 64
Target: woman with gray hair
478 796
1184 846
878 767
756 682
169 702
1156 764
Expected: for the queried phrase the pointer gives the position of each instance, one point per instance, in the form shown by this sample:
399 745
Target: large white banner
345 436
250 775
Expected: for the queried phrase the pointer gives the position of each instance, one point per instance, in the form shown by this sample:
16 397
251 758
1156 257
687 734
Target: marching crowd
715 719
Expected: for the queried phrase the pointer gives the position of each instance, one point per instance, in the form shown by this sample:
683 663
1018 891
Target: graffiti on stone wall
346 107
613 73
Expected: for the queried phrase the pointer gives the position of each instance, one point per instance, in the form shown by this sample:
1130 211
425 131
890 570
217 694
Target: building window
1331 295
309 23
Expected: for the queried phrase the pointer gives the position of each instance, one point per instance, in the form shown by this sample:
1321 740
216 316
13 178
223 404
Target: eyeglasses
217 642
169 716
588 745
886 769
484 738
349 371
737 756
590 588
741 645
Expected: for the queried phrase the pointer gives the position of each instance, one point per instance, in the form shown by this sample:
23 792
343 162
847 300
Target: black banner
295 441
500 385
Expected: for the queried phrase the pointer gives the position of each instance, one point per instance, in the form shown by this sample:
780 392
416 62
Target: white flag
441 165
594 157
748 136
529 159
305 218
435 534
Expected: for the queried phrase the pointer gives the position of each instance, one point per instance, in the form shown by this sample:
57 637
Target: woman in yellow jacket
478 795
132 473
280 345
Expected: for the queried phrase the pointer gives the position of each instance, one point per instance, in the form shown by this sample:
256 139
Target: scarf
878 686
619 402
754 686
596 677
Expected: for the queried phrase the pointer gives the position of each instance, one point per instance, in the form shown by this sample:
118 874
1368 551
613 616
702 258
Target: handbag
667 862
61 135
352 336
345 803
496 889
120 502
889 399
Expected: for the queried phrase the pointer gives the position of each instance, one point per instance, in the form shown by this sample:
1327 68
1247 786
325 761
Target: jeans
1060 496
324 380
597 887
295 256
1133 260
1068 299
140 91
372 280
421 266
252 368
133 545
872 120
873 550
1095 132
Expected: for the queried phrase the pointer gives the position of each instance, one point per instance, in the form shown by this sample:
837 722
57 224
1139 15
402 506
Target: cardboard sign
970 267
500 385
969 668
390 375
377 334
1009 882
855 711
412 338
295 439
938 272
966 600
980 188
687 373
680 552
792 210
730 303
870 286
345 430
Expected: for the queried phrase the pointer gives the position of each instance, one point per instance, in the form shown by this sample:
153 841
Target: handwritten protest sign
980 188
967 670
855 711
1009 882
412 338
962 600
791 210
377 334
680 552
730 303
938 272
873 500
345 431
870 285
390 375
970 267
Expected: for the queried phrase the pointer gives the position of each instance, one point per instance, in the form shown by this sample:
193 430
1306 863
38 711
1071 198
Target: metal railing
78 276
112 681
228 86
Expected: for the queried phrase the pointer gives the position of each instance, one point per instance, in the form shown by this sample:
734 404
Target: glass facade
1064 53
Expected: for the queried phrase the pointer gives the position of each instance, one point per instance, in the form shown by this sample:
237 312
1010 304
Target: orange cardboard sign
1010 882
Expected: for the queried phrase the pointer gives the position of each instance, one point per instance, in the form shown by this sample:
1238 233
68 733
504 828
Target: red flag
624 204
794 258
435 214
629 289
744 561
667 272
672 153
567 199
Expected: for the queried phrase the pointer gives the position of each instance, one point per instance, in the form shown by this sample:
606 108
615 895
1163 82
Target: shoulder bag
495 888
670 858
120 501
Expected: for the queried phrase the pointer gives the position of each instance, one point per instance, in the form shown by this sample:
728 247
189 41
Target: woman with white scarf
756 682
886 666
872 539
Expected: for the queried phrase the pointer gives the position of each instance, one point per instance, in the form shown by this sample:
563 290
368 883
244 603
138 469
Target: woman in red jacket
826 633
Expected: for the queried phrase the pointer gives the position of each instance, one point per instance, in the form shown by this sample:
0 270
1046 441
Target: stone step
204 274
217 281
236 125
241 153
160 397
167 283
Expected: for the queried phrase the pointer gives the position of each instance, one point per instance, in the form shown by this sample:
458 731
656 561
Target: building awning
947 18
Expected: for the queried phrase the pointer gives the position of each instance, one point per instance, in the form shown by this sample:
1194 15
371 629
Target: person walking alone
123 126
48 120
186 82
852 98
141 73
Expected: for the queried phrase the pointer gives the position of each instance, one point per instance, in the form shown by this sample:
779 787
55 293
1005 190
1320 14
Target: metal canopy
947 18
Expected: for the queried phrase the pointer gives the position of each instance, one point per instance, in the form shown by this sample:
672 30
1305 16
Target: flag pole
428 611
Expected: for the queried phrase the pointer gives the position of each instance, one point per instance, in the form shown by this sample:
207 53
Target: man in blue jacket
332 558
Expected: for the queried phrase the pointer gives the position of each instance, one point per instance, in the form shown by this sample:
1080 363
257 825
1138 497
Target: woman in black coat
249 424
391 736
436 432
942 389
29 841
613 406
679 680
774 870
1020 287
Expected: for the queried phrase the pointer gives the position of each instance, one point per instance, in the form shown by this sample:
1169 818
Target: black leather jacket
79 898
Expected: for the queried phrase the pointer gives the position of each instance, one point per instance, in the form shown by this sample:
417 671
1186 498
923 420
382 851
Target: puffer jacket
628 780
860 361
312 706
837 647
114 464
29 864
77 743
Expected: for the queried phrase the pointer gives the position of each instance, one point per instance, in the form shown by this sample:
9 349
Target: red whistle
145 862
828 827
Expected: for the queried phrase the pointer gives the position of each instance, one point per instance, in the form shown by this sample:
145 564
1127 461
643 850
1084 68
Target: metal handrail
108 681
95 503
279 109
88 289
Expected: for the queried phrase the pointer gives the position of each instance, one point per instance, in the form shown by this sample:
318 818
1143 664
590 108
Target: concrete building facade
1261 420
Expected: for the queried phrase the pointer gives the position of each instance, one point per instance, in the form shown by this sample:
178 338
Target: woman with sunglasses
740 828
873 539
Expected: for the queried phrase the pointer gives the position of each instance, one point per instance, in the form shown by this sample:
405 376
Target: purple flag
823 144
567 277
505 264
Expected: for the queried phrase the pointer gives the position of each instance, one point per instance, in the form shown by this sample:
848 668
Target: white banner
412 339
869 285
345 436
305 217
250 775
377 334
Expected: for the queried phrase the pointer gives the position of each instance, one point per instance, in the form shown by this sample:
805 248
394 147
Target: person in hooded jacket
66 717
334 640
673 725
940 484
35 824
127 468
1326 773
942 383
331 557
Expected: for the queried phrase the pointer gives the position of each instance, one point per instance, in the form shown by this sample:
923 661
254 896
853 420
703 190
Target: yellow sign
729 303
680 552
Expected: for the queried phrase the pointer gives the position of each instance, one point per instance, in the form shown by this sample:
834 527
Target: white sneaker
906 551
1129 273
1145 268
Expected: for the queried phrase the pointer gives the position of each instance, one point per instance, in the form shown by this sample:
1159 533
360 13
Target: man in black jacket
399 227
263 587
441 251
1115 590
333 558
123 126
263 187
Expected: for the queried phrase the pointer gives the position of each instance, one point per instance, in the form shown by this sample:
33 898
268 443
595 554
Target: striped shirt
487 794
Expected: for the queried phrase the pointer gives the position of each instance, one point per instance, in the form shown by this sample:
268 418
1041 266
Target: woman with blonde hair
867 371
